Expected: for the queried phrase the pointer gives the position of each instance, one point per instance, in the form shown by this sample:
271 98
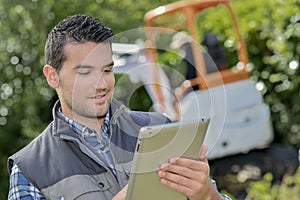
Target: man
87 150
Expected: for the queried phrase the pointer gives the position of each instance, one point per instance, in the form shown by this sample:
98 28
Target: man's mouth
99 96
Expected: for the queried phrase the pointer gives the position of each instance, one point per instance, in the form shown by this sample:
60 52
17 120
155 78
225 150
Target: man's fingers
203 152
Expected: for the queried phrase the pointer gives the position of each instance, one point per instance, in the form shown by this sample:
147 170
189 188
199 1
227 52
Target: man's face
86 80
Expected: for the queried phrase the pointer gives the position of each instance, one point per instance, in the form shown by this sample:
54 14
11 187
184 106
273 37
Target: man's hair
76 28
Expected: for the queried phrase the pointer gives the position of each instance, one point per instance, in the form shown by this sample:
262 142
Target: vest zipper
113 120
90 152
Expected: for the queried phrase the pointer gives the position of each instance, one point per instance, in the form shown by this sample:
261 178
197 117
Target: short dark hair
75 28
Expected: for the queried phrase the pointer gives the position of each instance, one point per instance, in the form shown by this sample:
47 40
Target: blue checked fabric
21 189
91 137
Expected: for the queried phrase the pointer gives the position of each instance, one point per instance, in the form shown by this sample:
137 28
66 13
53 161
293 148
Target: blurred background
271 31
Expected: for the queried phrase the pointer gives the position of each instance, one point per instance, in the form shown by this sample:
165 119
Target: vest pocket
87 187
123 171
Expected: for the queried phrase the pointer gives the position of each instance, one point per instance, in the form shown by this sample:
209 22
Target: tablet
155 145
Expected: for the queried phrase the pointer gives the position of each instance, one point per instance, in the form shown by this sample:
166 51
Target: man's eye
108 70
83 72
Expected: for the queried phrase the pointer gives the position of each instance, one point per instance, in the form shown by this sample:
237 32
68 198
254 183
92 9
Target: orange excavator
227 96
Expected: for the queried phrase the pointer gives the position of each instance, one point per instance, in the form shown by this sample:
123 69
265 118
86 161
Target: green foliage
136 97
271 32
25 98
273 42
289 189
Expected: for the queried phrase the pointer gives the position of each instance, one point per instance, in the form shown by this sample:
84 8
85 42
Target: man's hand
122 194
189 176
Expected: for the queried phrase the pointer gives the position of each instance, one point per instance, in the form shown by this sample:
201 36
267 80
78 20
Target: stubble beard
79 110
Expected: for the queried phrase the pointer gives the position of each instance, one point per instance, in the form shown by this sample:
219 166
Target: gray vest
61 164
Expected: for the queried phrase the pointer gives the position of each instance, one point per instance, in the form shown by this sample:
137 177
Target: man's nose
101 83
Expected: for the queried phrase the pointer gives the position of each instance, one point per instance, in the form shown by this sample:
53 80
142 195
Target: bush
289 189
271 31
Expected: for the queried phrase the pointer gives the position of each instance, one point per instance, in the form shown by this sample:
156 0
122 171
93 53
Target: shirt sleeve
213 182
20 187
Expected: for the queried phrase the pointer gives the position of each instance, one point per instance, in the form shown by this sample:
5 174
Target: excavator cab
239 118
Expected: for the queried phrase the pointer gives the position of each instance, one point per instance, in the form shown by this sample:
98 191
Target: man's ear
51 76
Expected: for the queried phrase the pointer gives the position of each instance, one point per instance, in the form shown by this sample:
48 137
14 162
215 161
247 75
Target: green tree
25 98
271 32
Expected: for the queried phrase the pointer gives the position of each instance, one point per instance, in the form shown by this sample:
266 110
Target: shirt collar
82 129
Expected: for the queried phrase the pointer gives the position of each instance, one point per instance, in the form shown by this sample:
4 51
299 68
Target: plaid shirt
22 189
